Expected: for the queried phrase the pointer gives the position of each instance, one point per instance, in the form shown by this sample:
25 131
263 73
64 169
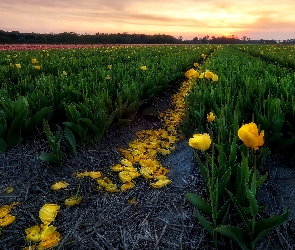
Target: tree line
122 38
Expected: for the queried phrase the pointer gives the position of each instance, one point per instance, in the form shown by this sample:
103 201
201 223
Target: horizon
187 18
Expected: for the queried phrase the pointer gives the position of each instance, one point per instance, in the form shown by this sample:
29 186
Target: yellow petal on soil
126 163
33 247
160 183
59 185
7 220
160 177
117 168
48 213
164 151
146 173
33 233
132 200
82 174
125 177
127 186
8 190
46 231
130 169
73 200
50 241
94 175
112 188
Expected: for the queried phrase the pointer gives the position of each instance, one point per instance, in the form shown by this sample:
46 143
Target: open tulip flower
200 141
248 133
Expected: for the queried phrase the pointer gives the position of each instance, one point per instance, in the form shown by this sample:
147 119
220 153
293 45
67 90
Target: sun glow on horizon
187 18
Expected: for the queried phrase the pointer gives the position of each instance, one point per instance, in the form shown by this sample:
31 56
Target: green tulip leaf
3 146
204 223
14 132
71 140
235 233
48 157
265 226
199 203
3 127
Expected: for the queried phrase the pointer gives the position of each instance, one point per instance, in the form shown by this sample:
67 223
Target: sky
187 18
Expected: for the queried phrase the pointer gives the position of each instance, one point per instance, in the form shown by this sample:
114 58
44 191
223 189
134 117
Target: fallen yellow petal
59 185
160 183
73 200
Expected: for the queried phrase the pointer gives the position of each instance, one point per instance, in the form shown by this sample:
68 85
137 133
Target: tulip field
234 107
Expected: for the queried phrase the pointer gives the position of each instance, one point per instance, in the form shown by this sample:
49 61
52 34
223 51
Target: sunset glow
187 18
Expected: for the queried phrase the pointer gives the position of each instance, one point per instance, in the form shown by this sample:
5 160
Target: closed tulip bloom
34 60
48 213
143 67
248 133
210 117
200 141
215 78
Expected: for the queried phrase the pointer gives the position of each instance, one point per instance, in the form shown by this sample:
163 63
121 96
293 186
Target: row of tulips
84 90
277 54
231 169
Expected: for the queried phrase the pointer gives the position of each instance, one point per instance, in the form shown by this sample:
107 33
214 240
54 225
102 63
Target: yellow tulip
196 64
64 73
209 74
200 141
48 213
248 133
59 185
34 60
38 67
190 74
18 65
215 78
210 117
143 67
73 200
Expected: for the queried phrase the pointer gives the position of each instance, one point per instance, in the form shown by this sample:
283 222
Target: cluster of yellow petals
106 184
192 74
143 68
91 174
248 133
140 157
45 234
5 217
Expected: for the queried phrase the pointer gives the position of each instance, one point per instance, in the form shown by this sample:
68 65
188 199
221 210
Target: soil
159 218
